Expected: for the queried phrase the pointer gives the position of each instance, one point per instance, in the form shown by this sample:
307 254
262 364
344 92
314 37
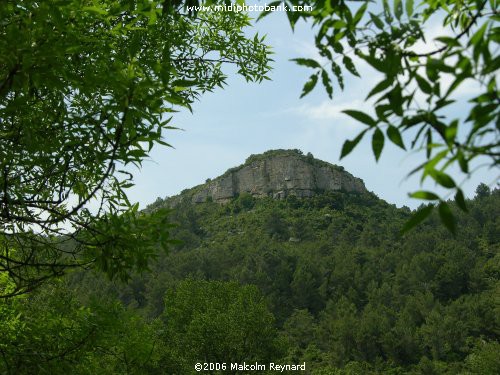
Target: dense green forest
326 284
327 280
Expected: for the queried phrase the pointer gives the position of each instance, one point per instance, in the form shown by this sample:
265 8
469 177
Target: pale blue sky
229 125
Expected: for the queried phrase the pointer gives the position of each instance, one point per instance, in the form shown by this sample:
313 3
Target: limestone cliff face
277 174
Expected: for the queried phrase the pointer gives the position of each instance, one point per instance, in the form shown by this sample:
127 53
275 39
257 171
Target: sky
230 124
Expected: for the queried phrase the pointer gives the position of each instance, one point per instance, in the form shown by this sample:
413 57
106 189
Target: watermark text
237 8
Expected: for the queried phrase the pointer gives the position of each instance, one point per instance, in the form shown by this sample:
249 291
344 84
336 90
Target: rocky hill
277 174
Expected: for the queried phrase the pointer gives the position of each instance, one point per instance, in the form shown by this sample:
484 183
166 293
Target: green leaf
409 8
442 178
349 145
377 21
451 131
350 65
326 82
338 73
310 63
309 85
460 200
427 195
360 116
478 36
428 148
447 217
423 84
395 136
381 86
398 9
377 143
184 83
374 61
417 218
462 162
430 165
383 111
449 41
339 24
441 103
338 47
387 11
359 14
396 100
439 65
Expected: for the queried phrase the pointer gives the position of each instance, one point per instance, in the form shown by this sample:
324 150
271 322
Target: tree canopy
87 88
333 285
418 90
217 322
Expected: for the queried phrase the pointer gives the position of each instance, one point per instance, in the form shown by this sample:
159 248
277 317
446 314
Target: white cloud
306 49
328 110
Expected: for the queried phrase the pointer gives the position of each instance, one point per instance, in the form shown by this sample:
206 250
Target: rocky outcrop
277 174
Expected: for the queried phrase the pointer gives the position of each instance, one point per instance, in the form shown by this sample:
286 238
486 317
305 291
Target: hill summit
277 174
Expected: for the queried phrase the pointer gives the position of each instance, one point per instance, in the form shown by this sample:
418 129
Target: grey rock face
278 174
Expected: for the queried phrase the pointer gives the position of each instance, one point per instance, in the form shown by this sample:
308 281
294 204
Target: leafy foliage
87 88
418 90
56 334
334 285
216 322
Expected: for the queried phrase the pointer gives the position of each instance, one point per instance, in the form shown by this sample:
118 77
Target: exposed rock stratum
277 174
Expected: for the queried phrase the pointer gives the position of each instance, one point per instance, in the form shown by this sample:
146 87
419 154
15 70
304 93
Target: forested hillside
326 280
283 263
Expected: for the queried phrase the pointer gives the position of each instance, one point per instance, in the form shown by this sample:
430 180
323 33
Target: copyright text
244 366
